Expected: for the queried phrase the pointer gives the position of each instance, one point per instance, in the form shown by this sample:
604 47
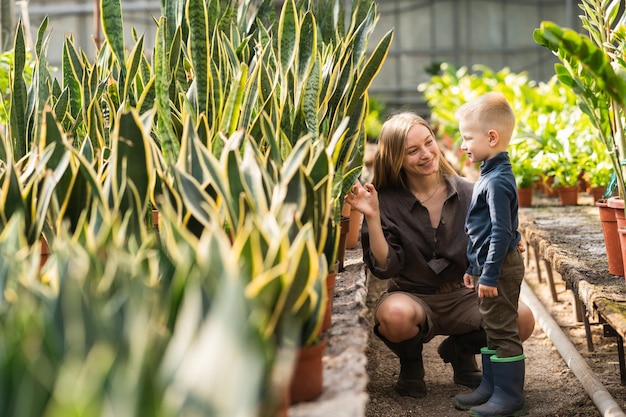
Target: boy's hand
468 281
485 291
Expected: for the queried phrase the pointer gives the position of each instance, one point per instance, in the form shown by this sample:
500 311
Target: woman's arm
365 200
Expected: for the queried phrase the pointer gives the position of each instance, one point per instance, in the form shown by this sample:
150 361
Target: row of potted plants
243 129
592 65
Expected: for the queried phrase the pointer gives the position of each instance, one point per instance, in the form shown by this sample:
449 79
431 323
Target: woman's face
421 155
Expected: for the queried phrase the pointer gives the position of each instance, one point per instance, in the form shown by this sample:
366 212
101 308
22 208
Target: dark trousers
499 314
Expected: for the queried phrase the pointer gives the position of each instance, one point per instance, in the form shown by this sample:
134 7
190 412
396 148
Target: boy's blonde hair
492 112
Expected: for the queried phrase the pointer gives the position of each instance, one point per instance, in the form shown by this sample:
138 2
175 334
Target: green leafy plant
592 66
552 135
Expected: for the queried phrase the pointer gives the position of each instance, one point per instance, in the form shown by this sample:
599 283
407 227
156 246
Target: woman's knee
399 317
525 321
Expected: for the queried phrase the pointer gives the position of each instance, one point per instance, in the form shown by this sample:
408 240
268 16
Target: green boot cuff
510 359
487 351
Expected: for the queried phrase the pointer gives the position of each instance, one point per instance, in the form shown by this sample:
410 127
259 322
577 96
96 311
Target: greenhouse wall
495 33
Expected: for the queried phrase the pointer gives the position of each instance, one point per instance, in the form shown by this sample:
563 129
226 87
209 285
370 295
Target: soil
551 388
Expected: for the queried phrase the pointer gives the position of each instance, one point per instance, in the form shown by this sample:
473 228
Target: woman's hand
363 198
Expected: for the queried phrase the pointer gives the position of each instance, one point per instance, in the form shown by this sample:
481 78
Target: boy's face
478 144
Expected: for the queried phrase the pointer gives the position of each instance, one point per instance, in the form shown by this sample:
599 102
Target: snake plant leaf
231 112
213 14
96 125
41 85
165 133
229 59
370 70
257 185
197 15
271 137
342 80
194 198
307 53
216 96
145 71
85 190
304 271
132 151
190 160
174 12
316 310
146 100
359 38
12 197
46 193
113 28
288 35
18 101
72 71
331 15
52 135
296 158
231 161
250 98
215 176
265 273
311 99
41 38
134 60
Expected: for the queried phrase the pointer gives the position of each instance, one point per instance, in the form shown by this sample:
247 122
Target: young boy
496 268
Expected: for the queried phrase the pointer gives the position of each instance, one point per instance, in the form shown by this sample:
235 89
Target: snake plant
242 127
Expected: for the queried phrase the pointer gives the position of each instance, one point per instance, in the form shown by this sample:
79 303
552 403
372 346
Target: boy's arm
499 199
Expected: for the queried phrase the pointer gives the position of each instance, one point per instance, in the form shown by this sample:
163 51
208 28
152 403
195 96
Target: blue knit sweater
491 223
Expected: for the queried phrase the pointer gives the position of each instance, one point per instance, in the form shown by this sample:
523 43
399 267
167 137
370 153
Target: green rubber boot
482 394
508 389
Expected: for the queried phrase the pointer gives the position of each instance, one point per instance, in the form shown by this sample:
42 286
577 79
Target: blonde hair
391 151
492 112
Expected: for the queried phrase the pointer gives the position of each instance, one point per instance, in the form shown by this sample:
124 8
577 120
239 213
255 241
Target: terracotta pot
525 196
568 195
155 219
307 382
44 252
597 192
341 251
617 204
622 238
611 238
330 292
354 230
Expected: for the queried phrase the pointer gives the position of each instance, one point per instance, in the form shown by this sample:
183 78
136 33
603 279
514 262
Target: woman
414 236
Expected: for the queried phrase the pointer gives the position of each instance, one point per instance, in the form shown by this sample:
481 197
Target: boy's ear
494 137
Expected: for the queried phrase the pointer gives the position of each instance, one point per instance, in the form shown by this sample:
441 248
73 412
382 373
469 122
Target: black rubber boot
508 389
411 380
461 355
482 394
